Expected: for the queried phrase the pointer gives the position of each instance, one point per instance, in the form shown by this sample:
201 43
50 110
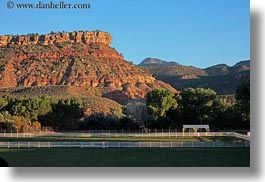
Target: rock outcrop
78 59
53 38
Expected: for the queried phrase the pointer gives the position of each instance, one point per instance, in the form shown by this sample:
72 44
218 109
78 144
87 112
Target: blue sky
192 32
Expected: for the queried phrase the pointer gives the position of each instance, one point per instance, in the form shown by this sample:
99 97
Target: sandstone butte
77 60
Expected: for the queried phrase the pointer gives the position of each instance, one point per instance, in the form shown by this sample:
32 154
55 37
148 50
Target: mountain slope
222 78
76 59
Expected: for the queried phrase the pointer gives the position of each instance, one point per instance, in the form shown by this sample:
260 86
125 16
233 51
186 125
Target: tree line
162 109
31 114
166 110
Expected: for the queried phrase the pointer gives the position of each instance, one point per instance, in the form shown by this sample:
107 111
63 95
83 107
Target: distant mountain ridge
157 62
222 78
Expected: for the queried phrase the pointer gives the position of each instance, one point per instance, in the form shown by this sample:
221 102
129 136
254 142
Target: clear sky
192 32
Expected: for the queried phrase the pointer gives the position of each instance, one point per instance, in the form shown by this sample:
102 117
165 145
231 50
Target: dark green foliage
223 115
243 101
159 102
63 114
197 104
3 102
101 121
163 106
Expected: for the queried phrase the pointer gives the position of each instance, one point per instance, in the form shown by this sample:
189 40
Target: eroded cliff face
49 39
82 59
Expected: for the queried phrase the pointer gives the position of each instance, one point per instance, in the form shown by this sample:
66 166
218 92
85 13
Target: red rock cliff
79 59
77 37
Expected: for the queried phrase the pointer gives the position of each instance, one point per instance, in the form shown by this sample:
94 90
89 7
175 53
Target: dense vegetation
200 106
22 114
163 109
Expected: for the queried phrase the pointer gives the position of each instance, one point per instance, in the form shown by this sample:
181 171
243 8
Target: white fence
111 134
109 144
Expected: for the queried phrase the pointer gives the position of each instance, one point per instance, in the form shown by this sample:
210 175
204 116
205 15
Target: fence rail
108 144
110 134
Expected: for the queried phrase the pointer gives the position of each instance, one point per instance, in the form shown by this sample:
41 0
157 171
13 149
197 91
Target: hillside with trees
222 78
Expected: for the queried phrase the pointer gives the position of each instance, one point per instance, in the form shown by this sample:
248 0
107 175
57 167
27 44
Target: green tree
243 102
3 102
65 114
222 114
197 104
160 101
161 105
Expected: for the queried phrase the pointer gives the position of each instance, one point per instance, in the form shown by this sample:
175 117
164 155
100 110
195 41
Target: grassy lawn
124 157
154 139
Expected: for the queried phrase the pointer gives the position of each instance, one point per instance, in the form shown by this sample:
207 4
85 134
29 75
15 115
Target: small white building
196 127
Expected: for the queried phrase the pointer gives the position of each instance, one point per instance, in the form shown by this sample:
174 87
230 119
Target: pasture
128 157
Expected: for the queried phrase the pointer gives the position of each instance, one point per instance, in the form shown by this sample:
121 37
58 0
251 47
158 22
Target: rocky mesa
75 59
53 38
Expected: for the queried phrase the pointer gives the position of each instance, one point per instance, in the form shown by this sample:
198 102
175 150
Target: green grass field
140 139
124 157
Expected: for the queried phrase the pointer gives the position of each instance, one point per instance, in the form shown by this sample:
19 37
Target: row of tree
24 114
162 109
199 106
